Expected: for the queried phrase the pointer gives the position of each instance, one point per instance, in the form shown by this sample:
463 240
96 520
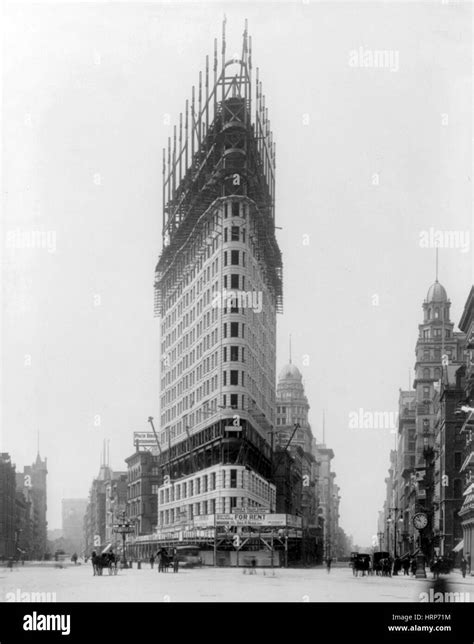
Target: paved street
77 584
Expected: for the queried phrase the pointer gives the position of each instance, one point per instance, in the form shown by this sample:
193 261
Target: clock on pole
420 520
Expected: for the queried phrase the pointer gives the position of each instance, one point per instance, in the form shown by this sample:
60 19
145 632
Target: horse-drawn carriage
360 563
382 563
105 560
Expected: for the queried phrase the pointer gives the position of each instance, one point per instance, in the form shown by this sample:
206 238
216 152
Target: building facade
426 472
33 483
7 507
95 516
218 289
449 443
115 503
406 480
438 345
73 512
142 490
466 513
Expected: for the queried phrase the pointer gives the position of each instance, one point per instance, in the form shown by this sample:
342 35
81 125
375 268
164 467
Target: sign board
233 428
293 521
249 510
204 521
258 519
145 441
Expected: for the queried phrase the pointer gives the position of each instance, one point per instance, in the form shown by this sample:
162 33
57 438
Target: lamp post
124 527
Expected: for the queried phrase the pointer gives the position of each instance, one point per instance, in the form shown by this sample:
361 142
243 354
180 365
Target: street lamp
124 527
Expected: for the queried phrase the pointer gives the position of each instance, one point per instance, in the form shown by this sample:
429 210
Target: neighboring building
424 474
466 470
292 409
73 513
328 508
449 444
33 483
288 478
406 481
218 289
389 521
7 507
142 490
437 345
115 503
24 517
94 519
319 492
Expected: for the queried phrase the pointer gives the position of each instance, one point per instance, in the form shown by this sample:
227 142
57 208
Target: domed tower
292 407
437 346
436 306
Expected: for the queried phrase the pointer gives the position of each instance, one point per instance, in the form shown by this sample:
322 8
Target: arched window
426 372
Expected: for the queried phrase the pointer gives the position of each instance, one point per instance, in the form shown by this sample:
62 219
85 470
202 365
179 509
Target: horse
163 561
96 563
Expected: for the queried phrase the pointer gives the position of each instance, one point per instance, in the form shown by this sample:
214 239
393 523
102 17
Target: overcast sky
367 159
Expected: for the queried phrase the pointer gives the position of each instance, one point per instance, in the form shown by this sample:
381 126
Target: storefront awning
459 547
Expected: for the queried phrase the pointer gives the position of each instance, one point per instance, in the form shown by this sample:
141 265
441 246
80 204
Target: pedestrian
328 564
463 567
10 563
175 561
74 558
413 566
406 566
152 560
254 566
397 566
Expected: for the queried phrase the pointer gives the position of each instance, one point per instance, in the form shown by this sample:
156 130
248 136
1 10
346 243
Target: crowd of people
388 566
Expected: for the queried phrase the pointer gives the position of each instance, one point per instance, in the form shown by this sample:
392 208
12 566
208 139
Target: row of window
202 508
198 485
435 333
